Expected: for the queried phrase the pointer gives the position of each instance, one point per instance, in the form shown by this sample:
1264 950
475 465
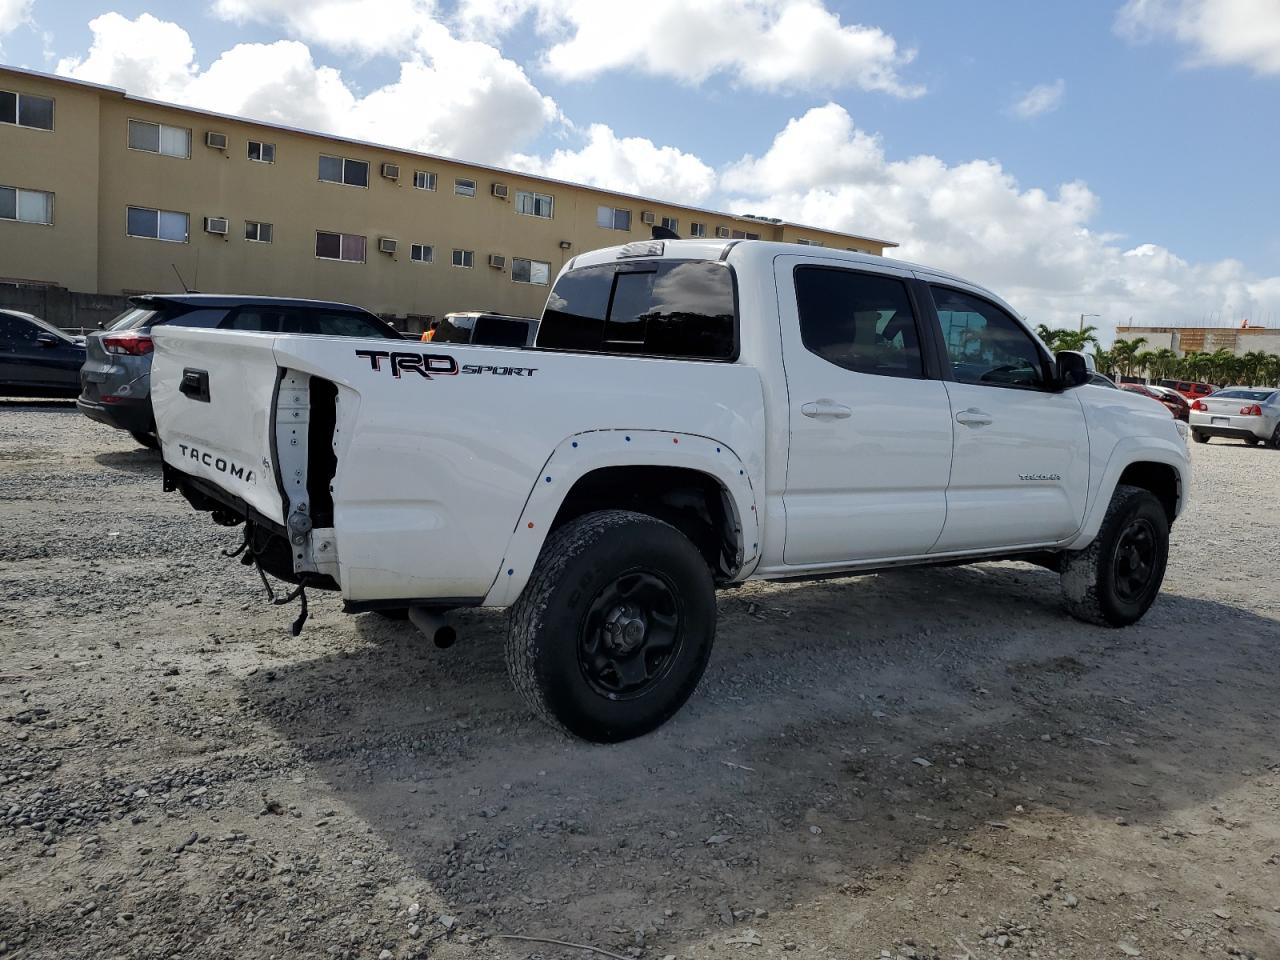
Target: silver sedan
1250 414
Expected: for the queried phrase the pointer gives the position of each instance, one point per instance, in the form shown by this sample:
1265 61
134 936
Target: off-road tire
578 563
1199 437
1089 576
148 440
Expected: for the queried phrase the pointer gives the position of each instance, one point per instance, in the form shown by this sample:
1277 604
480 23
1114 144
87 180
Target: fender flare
1128 451
581 453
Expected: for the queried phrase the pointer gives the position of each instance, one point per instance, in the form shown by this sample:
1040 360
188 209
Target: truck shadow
843 729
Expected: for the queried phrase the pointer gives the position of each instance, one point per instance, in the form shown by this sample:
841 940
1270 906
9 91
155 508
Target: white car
1250 414
694 414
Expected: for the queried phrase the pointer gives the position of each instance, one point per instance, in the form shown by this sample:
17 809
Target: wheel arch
697 484
1162 469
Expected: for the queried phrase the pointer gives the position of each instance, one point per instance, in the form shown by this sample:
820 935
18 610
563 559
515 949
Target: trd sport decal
430 365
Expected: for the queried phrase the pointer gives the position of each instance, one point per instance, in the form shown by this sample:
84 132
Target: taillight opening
1253 411
1200 405
128 344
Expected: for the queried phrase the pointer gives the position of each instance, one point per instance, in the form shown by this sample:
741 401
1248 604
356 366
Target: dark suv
115 380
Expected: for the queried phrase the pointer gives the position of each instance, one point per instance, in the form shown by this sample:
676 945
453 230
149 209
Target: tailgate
213 392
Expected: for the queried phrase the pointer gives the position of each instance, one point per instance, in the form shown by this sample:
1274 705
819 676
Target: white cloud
14 14
1219 32
629 165
361 26
462 98
1040 99
764 44
1035 248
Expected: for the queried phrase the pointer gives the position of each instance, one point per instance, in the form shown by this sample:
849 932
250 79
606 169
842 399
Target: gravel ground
917 765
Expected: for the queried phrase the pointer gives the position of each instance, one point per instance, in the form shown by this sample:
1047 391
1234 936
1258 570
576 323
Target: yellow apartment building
105 193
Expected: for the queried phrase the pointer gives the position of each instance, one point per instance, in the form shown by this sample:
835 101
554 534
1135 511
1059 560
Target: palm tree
1048 335
1142 361
1270 372
1162 363
1075 339
1252 365
1123 353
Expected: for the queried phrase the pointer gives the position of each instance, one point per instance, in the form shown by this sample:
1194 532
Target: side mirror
1073 369
46 340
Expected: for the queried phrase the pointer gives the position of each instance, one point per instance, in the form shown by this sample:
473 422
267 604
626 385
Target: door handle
826 410
973 417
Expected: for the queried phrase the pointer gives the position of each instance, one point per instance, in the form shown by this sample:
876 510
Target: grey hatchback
115 380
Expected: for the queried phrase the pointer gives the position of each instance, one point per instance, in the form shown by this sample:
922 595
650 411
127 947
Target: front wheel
1116 578
614 629
148 440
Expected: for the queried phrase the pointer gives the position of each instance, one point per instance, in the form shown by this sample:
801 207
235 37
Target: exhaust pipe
433 626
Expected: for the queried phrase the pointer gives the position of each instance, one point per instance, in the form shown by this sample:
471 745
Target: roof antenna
185 288
663 233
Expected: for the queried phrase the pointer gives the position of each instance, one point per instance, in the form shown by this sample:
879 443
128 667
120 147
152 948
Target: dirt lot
924 764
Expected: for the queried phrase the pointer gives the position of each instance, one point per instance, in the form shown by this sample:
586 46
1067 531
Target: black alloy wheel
632 635
1134 560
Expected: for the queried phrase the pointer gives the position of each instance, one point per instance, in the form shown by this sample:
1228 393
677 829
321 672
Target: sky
1114 157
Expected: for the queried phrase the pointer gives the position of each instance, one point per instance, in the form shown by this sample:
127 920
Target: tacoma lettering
221 464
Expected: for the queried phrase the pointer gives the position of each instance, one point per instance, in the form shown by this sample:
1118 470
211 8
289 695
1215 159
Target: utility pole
1083 315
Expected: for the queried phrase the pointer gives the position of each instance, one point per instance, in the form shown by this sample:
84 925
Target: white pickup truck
693 414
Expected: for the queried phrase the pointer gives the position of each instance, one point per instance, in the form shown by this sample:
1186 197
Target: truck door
870 445
1020 472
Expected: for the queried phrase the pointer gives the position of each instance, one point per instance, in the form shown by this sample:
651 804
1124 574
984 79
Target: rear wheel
1116 578
1199 437
1275 437
148 440
614 629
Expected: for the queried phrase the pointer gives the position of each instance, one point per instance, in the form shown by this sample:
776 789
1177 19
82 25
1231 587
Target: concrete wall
61 307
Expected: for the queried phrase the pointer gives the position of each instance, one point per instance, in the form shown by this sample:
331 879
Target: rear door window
681 309
132 318
501 332
859 321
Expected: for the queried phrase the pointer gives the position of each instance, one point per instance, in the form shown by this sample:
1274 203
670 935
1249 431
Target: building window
530 271
534 204
262 152
611 218
464 187
744 235
354 173
464 258
340 246
697 229
258 232
160 138
26 110
28 206
671 223
424 180
808 243
157 224
421 252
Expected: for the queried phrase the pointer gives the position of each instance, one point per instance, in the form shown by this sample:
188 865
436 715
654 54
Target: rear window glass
1257 396
454 330
131 318
683 309
501 332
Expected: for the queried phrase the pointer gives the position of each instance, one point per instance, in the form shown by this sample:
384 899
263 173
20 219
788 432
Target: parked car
1240 413
36 358
116 377
1191 389
1173 401
480 328
695 414
1178 405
